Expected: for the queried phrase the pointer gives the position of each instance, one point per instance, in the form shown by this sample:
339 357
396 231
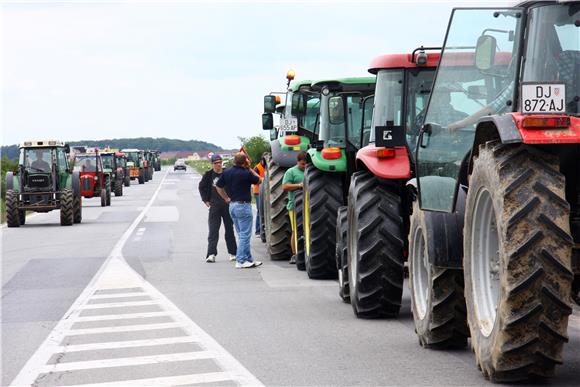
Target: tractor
95 179
371 231
495 229
294 135
136 164
156 160
43 182
150 159
121 161
331 162
117 172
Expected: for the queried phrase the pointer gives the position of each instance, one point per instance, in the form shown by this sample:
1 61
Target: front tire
12 212
66 208
341 254
127 181
322 198
141 177
78 209
376 242
517 262
278 229
118 188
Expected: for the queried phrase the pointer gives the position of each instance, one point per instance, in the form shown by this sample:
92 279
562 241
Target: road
126 298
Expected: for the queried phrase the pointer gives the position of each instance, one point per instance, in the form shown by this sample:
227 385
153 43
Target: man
39 164
218 211
256 190
234 186
291 182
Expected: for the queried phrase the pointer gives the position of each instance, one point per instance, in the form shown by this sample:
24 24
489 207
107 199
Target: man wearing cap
234 186
218 211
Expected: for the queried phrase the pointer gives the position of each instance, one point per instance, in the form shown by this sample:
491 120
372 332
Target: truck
495 228
43 182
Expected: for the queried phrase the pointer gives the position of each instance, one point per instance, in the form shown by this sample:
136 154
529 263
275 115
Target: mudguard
76 183
283 158
9 181
395 168
338 165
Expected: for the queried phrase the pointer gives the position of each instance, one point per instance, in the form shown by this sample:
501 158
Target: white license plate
289 124
543 98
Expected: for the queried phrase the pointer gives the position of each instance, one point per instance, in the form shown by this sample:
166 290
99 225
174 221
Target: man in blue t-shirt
234 186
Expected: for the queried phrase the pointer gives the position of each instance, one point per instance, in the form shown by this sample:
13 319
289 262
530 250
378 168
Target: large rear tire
141 176
322 198
12 213
108 191
278 229
66 208
118 187
78 209
341 254
376 242
262 217
437 298
127 180
517 261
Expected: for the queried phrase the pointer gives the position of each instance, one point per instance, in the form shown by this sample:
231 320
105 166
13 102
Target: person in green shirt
293 181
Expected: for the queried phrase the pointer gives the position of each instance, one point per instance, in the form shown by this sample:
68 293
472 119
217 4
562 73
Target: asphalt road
126 298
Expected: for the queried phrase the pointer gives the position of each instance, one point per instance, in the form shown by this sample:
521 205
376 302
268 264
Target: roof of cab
41 144
346 84
397 61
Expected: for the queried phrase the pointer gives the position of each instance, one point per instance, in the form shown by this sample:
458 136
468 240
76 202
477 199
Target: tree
255 146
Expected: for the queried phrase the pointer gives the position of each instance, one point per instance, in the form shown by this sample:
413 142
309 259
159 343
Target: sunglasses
217 162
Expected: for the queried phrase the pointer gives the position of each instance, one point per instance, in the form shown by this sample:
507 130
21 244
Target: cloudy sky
77 70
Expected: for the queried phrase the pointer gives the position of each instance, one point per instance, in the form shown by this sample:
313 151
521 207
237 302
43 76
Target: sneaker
245 265
292 260
257 263
210 259
232 257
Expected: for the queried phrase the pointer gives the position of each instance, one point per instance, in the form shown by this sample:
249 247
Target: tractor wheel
103 198
276 215
108 191
127 181
141 177
78 209
66 208
322 198
262 218
341 254
299 207
12 212
118 188
22 217
517 262
376 242
437 297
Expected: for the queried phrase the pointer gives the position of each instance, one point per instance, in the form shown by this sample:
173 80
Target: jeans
257 197
216 214
242 216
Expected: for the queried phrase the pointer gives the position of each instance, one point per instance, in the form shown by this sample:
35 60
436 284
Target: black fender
9 180
284 159
76 183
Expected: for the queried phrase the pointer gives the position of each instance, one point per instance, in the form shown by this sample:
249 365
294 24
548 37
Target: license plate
543 98
296 148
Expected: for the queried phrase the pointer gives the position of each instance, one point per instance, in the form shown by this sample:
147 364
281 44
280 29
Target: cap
215 158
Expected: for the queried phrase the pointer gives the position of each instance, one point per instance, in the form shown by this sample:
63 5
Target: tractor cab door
468 86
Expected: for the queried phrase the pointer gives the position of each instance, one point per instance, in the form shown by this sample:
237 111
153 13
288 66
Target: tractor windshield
553 49
108 162
133 156
85 163
310 121
120 161
388 101
37 159
419 83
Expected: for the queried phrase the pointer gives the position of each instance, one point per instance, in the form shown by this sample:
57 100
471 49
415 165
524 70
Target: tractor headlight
96 178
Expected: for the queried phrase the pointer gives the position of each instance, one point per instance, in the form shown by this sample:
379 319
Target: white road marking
124 316
127 361
141 230
123 328
126 344
117 274
166 381
116 295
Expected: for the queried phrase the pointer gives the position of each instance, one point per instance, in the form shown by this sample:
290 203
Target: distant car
179 164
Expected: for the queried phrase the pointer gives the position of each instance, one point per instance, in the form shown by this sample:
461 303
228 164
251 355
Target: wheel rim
485 264
420 272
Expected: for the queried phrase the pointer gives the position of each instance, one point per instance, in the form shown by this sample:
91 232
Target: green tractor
331 163
43 182
150 158
299 124
121 161
116 171
135 164
156 160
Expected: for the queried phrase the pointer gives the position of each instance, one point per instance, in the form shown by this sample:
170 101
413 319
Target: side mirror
335 110
267 121
485 52
269 104
298 104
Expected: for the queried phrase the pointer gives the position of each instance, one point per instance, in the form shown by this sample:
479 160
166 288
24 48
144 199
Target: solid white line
110 317
117 304
166 381
125 328
116 295
125 344
126 361
29 372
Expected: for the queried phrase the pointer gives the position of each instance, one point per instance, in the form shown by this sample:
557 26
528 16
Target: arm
222 192
203 189
292 187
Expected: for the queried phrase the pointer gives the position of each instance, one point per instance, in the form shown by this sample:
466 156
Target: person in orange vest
256 192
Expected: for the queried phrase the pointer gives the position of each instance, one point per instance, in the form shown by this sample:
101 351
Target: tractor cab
95 179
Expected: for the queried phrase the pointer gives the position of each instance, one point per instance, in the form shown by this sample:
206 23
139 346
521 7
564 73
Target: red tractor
95 181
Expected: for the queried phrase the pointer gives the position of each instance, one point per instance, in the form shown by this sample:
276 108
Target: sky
191 70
